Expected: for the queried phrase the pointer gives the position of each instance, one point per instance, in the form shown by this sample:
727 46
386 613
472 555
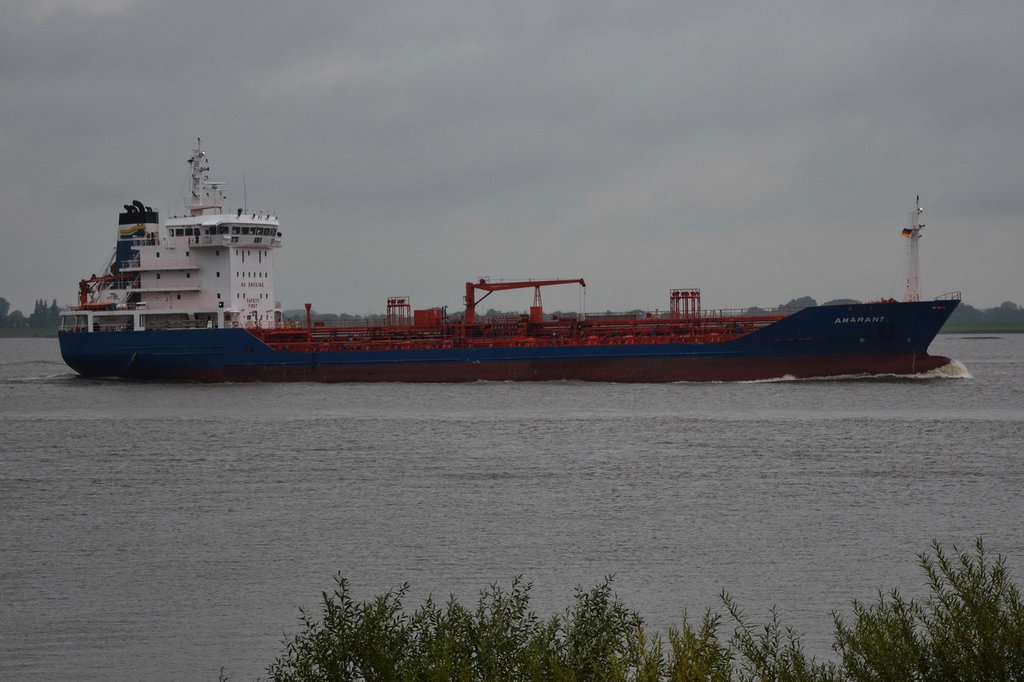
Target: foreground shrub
971 628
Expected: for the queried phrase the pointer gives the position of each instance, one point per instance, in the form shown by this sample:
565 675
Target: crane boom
536 312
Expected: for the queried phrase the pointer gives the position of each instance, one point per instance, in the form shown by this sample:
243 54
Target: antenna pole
913 266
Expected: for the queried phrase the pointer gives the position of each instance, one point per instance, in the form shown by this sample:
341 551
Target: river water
166 531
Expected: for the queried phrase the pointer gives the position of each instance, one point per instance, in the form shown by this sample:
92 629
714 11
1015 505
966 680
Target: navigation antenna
204 193
913 234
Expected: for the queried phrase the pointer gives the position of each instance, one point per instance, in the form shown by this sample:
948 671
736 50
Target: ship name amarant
848 320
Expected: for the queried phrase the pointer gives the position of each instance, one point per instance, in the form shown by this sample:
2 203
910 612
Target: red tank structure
432 328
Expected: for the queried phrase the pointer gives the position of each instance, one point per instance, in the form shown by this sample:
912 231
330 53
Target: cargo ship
193 299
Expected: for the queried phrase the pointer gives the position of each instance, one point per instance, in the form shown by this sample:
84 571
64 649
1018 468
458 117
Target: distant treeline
44 316
1007 314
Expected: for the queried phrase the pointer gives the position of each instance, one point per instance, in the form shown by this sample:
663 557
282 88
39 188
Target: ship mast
913 234
204 194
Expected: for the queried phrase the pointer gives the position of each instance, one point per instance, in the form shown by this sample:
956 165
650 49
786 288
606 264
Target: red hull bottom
638 370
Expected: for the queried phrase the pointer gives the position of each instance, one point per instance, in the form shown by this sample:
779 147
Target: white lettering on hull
854 320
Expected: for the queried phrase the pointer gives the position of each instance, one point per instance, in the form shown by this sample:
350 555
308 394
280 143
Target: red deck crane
536 310
87 287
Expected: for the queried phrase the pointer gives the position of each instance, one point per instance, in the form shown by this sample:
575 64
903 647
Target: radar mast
204 194
913 268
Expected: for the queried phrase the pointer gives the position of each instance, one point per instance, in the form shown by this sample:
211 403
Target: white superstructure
205 269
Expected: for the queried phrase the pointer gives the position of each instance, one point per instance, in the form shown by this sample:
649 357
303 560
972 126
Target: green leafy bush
971 628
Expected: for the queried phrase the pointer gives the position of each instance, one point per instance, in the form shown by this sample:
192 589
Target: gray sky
759 151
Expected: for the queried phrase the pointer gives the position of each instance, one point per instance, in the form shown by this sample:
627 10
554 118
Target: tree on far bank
44 315
15 319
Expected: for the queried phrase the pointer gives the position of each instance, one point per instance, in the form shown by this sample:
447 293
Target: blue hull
869 338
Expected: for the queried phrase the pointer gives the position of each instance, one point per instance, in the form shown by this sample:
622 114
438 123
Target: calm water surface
163 531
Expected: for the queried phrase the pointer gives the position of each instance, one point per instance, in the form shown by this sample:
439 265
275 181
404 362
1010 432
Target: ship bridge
210 267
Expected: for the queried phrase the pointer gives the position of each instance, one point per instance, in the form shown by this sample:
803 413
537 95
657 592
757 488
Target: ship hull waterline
825 341
614 371
237 356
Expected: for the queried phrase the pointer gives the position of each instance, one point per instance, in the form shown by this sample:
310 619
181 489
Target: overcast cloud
759 151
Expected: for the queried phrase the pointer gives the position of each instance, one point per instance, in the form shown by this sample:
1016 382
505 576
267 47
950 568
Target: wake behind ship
193 299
